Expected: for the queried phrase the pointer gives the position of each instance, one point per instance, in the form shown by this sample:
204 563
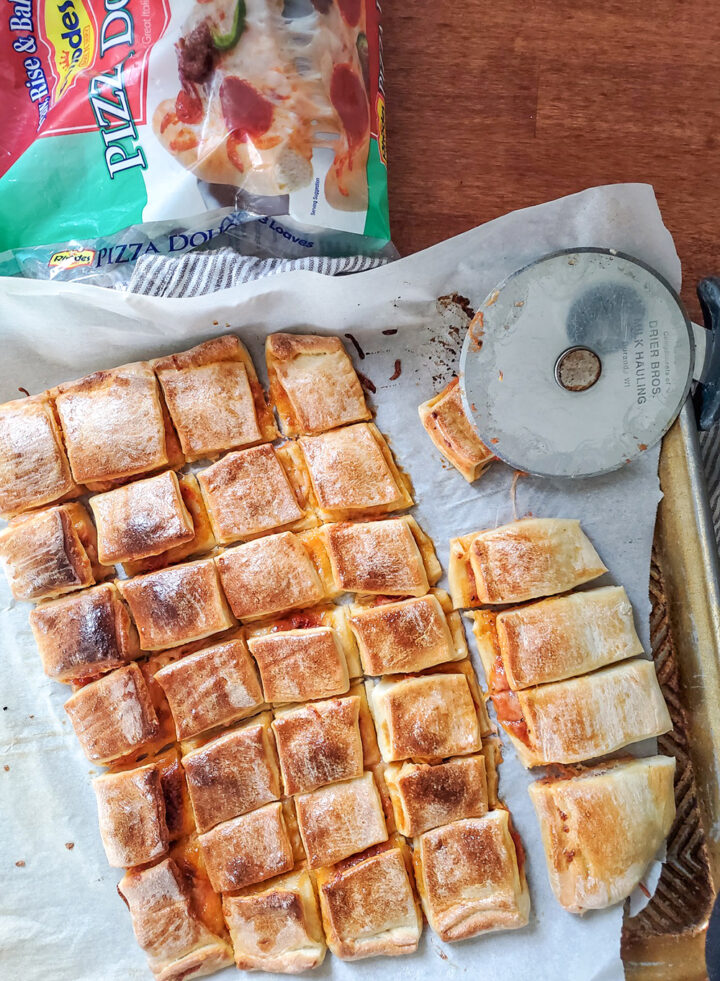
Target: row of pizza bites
138 419
568 685
163 519
95 630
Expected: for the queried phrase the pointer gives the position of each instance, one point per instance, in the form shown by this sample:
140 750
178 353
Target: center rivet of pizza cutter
577 369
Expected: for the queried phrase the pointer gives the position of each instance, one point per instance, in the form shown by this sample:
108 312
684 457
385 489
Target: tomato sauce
188 107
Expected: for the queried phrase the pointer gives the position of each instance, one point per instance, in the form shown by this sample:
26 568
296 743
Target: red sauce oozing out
350 10
347 94
510 715
246 112
188 107
498 679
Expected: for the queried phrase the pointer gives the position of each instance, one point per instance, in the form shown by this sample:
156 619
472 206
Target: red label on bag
77 66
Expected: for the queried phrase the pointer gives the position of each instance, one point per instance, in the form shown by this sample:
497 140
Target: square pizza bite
131 813
426 717
249 493
327 615
214 686
448 426
318 743
214 398
34 469
202 539
338 820
84 634
524 560
409 635
581 718
353 474
275 926
248 849
425 797
391 557
313 383
114 715
555 638
269 575
168 925
48 553
471 877
368 904
140 519
298 665
114 426
177 605
233 773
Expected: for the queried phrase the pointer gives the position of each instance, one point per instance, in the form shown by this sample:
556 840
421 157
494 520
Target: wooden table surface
494 105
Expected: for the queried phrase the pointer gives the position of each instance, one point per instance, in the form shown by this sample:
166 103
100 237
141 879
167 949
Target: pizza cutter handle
707 393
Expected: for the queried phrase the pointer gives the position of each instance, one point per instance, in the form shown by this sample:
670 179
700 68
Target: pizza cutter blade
579 362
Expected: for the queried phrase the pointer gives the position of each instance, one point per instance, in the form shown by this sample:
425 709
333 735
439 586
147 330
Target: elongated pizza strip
586 717
602 826
556 638
521 561
448 426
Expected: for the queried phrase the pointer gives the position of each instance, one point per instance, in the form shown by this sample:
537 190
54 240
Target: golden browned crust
602 826
177 605
426 797
313 383
556 638
179 817
376 557
408 635
353 474
177 942
448 426
233 774
249 493
85 634
468 877
599 713
276 926
34 469
131 814
324 615
371 751
338 820
214 398
44 555
143 518
269 575
215 686
319 743
113 425
113 715
297 665
521 561
248 849
425 718
202 539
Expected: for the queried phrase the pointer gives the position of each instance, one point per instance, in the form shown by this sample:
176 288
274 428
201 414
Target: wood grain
500 105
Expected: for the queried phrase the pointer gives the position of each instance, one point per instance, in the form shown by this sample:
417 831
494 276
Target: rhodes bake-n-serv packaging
158 126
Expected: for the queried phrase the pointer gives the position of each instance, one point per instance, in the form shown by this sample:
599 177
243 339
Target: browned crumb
398 370
6 768
368 385
23 390
20 864
390 331
69 845
353 340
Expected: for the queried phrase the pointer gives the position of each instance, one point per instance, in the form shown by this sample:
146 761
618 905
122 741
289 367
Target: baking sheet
60 916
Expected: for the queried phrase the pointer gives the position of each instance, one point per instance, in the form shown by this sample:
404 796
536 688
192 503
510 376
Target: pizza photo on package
138 126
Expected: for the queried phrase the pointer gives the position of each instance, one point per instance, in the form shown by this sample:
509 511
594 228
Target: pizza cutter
581 361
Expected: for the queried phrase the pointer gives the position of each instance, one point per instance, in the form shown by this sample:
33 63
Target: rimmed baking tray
666 941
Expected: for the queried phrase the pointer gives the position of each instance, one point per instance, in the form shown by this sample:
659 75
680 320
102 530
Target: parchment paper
60 916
